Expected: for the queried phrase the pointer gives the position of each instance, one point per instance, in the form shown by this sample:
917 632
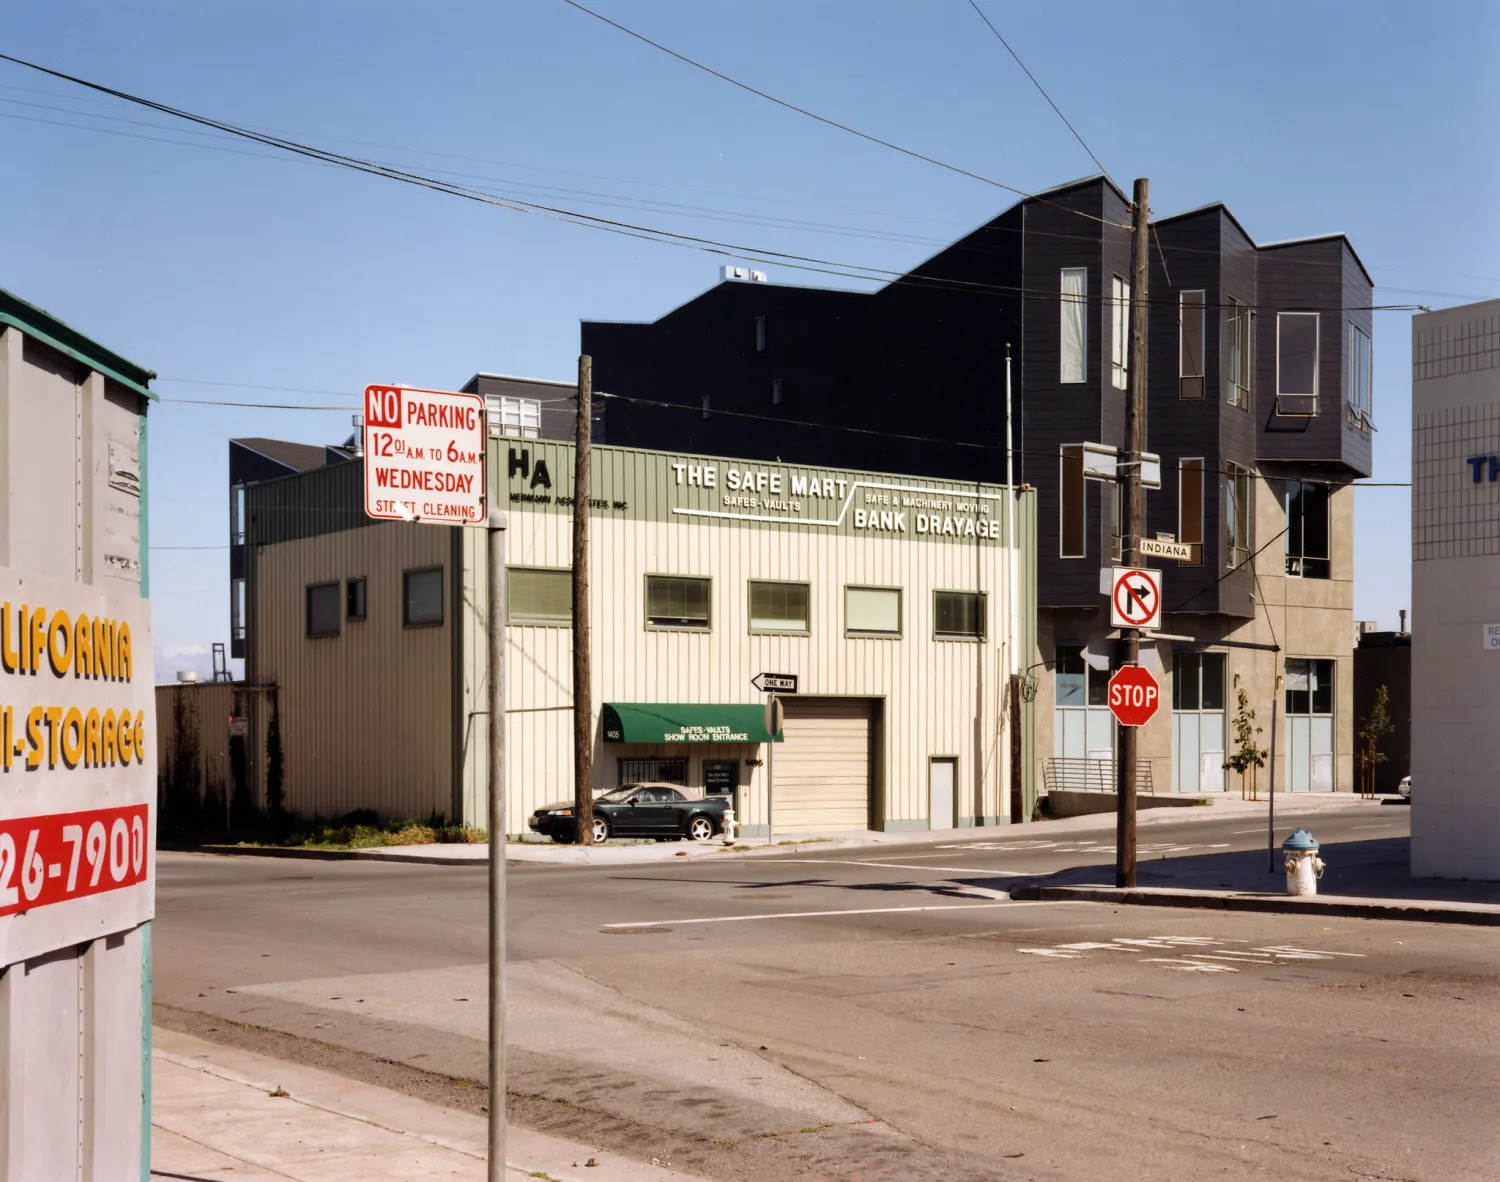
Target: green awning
672 722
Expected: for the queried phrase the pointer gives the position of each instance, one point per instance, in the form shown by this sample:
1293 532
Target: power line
1040 90
824 119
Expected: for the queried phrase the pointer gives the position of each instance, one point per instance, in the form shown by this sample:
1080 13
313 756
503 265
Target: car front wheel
601 830
700 829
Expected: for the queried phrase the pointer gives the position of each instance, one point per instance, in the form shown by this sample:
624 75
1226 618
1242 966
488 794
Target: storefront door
1082 727
1198 722
1309 724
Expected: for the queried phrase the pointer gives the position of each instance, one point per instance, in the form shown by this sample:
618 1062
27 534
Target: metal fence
1071 774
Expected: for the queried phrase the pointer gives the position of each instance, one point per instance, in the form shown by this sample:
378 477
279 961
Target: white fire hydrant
729 826
1303 866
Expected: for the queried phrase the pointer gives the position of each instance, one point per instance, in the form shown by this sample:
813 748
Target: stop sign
1133 695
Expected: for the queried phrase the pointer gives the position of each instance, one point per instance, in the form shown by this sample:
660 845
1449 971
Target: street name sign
1135 598
775 683
424 455
1163 548
1133 695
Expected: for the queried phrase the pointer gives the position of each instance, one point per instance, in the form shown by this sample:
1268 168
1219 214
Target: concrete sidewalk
219 1114
615 853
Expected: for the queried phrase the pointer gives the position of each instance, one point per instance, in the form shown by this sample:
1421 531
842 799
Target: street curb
278 851
1414 912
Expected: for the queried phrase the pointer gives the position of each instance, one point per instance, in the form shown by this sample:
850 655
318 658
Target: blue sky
212 263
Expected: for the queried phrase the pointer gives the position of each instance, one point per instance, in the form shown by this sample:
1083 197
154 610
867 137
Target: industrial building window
354 599
760 334
1072 505
778 607
1307 532
1073 331
422 597
1236 516
1237 367
707 403
1117 521
237 609
237 515
323 610
1190 345
1078 682
675 601
872 611
1190 507
958 615
776 392
518 418
540 598
1297 363
1119 349
1309 686
1359 392
645 771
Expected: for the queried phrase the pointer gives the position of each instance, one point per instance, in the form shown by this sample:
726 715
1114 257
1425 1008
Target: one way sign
1135 598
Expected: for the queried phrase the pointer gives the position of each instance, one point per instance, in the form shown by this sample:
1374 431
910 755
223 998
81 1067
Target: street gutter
1419 911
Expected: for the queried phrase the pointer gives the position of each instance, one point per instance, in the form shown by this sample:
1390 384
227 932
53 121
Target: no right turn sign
1135 598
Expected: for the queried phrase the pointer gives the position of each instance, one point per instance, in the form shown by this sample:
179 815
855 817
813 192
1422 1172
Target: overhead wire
745 86
1042 91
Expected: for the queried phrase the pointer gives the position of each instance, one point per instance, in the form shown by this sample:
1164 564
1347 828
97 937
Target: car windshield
618 795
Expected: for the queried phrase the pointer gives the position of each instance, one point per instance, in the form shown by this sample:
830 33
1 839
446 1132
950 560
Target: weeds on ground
369 833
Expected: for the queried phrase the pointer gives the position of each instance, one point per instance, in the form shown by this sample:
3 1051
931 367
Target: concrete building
887 596
1259 404
1455 537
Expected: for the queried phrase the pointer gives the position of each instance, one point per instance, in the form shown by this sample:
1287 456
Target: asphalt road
873 1014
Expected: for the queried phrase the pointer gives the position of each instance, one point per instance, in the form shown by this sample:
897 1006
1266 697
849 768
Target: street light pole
496 679
1135 445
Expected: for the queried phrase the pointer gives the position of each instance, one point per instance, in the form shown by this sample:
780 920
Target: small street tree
1247 755
1376 727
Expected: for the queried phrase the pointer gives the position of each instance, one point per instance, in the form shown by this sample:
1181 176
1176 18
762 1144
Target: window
1307 532
1236 516
707 403
1190 507
663 771
1077 682
1198 681
237 515
760 334
776 392
518 418
1359 392
1190 338
237 610
1073 336
1119 335
323 610
422 597
1117 521
1237 369
675 601
1297 363
778 607
1072 505
540 598
959 615
354 599
872 611
1309 686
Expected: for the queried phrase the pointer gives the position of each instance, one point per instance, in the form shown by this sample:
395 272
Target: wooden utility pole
583 698
1135 444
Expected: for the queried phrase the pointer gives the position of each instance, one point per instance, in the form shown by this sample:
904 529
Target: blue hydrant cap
1300 840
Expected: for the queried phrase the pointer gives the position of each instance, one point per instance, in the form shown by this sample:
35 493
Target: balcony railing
1072 774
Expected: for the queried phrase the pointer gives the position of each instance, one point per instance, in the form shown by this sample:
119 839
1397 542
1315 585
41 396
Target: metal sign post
773 728
425 461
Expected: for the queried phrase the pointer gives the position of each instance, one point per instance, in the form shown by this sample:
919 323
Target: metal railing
1073 774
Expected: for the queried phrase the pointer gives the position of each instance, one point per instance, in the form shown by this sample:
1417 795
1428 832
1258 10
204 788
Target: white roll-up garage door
823 765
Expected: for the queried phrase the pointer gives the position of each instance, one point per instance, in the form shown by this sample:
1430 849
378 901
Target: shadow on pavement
1362 869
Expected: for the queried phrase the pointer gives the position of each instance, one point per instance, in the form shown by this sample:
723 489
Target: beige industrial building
1455 538
898 603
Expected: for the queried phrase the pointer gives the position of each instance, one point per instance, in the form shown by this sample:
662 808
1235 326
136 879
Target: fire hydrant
1303 866
729 826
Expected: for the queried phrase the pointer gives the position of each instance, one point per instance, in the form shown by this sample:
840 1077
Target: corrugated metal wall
366 716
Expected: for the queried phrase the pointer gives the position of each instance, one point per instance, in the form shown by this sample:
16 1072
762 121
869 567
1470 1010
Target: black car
638 810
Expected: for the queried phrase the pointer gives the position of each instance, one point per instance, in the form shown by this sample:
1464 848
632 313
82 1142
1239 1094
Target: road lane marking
654 923
901 866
